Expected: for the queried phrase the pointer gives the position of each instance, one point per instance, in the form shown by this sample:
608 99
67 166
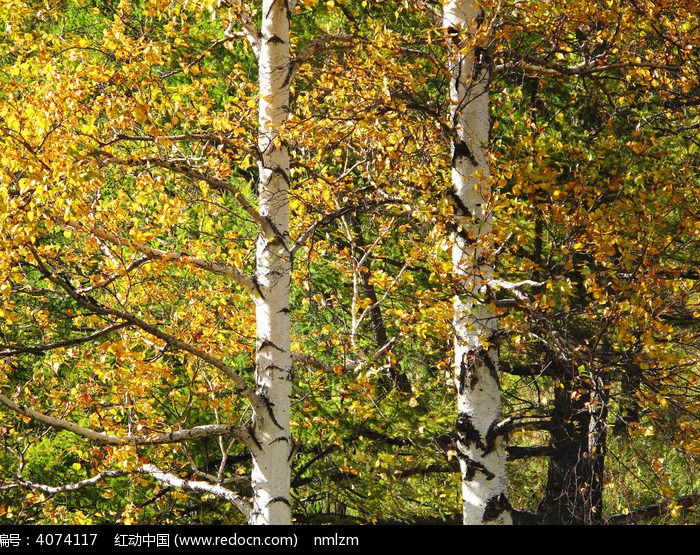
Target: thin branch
259 406
193 485
52 490
41 349
115 276
321 43
250 31
213 138
245 281
181 167
159 475
198 432
586 67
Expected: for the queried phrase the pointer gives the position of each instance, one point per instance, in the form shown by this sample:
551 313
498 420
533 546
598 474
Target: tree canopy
155 196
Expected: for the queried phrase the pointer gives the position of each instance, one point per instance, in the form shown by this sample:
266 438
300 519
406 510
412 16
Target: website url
235 539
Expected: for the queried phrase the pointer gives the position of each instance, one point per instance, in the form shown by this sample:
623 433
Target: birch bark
273 447
481 445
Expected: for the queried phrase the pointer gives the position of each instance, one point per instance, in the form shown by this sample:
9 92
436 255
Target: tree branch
41 349
181 167
586 67
241 279
195 485
258 404
322 42
684 504
178 436
159 475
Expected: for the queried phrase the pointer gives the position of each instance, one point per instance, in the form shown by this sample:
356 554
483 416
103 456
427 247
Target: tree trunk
574 490
481 445
273 372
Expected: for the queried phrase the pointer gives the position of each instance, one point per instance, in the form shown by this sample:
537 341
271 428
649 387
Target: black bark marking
251 433
497 428
481 17
462 150
468 375
278 171
257 287
489 363
280 438
467 433
472 362
463 208
270 410
276 39
279 500
277 239
279 369
453 34
482 61
265 343
495 506
472 467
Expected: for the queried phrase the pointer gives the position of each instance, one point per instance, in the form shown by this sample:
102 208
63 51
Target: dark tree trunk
574 488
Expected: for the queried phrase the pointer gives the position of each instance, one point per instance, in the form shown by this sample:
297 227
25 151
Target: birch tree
479 424
273 451
82 167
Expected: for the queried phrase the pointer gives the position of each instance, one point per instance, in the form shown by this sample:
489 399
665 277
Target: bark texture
273 446
481 443
574 489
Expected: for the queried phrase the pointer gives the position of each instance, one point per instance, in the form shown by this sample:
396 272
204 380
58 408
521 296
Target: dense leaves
128 222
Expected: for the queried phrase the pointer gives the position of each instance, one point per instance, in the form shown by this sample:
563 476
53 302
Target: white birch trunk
273 372
480 447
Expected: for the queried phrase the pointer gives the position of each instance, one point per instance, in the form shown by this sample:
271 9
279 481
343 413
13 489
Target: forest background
228 273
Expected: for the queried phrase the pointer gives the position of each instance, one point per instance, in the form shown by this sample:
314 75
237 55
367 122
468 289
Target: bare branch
159 475
205 487
52 490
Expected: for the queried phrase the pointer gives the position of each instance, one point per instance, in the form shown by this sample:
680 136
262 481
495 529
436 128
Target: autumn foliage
130 175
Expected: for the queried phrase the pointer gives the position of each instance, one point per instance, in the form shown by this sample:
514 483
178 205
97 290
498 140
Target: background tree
610 226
